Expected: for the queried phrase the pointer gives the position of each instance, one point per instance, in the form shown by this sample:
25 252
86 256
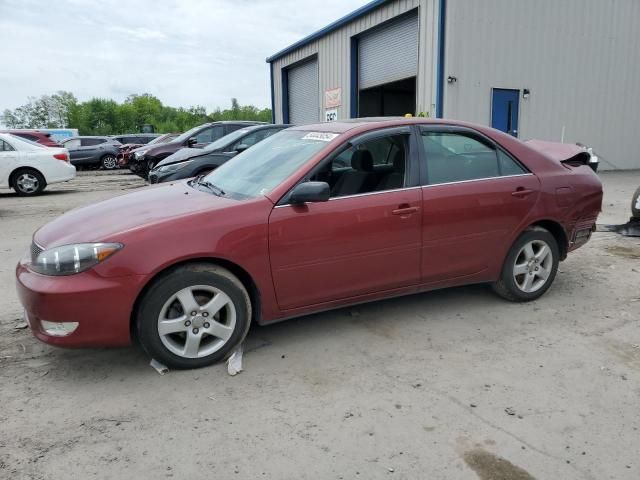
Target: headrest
398 161
362 160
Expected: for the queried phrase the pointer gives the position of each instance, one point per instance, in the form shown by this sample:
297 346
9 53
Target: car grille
35 251
153 178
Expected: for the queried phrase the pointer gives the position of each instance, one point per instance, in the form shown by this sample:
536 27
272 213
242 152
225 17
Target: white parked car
29 167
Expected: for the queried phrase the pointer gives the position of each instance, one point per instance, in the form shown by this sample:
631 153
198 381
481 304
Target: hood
181 155
155 150
105 221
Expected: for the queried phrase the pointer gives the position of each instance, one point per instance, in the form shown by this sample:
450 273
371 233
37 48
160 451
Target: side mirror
242 147
192 141
310 192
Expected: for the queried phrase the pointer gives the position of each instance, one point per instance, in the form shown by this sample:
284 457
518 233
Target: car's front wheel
530 266
109 162
194 316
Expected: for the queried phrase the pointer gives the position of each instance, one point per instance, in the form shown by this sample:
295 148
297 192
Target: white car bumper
62 173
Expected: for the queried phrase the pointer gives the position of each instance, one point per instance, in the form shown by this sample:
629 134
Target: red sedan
313 218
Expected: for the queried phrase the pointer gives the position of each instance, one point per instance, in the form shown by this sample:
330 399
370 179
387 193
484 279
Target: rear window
28 136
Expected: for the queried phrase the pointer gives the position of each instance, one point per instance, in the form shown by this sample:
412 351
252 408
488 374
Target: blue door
504 110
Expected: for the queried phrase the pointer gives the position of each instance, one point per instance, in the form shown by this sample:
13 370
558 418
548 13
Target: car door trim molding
479 179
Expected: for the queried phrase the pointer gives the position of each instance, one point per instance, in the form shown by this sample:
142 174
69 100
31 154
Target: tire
28 182
109 162
635 204
527 255
193 341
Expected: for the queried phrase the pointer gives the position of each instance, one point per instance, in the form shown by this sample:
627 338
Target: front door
504 110
475 197
8 161
365 239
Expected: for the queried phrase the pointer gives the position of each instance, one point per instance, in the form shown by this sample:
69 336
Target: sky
185 52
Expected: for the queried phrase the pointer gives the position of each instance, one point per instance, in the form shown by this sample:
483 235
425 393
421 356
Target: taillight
61 156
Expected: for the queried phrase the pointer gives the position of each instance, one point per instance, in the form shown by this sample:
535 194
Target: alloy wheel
533 266
27 183
109 162
196 321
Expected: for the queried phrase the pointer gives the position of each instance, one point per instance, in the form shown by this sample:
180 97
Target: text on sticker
322 136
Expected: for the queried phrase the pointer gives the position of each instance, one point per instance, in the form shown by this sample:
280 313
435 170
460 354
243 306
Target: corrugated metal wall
334 52
579 58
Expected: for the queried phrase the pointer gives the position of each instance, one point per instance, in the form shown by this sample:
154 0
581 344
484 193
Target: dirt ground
454 384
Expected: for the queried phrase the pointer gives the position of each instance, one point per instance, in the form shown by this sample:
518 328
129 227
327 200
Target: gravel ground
454 384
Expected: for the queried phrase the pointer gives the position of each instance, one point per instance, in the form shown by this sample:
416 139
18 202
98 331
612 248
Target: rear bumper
63 173
581 233
101 306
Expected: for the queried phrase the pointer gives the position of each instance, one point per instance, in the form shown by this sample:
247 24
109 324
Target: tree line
100 116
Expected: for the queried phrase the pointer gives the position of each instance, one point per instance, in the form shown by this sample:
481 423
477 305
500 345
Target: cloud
186 52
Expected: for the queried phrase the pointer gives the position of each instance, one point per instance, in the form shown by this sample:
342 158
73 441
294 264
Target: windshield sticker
322 136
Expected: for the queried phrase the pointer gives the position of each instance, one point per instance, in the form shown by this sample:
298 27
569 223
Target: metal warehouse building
555 70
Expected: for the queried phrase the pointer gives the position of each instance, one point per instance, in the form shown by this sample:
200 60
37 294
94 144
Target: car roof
89 136
236 122
136 135
373 123
251 128
22 130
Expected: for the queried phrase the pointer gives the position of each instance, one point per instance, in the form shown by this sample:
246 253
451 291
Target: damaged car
313 218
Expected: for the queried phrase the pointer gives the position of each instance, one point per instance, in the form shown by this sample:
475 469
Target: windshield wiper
199 180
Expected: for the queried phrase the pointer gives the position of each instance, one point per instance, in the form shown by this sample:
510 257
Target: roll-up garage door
389 53
304 96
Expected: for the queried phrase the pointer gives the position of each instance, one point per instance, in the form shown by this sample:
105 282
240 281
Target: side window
508 166
232 128
33 138
455 157
75 143
5 147
210 134
252 138
371 166
89 142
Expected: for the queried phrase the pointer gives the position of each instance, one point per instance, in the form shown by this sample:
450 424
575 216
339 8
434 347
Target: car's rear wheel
530 266
194 316
635 204
28 182
109 162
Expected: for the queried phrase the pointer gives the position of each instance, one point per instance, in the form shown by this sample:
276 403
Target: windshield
266 165
188 134
226 140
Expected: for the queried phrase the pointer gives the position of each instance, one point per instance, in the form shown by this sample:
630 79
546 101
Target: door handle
522 192
404 209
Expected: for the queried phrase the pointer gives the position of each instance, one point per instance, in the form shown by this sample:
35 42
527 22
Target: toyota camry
313 218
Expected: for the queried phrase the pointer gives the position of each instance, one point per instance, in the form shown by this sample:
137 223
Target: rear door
475 196
366 238
88 150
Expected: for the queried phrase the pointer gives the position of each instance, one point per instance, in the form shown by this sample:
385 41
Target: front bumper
102 307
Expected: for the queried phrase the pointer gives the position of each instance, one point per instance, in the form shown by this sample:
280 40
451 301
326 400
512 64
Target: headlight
72 259
174 166
140 154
